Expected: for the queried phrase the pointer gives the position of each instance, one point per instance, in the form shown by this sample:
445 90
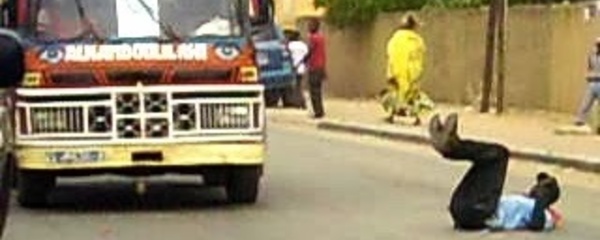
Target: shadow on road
121 196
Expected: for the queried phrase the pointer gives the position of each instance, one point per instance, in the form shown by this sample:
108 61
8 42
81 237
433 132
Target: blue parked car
275 63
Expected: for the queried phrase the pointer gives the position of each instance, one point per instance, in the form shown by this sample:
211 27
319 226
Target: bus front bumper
143 156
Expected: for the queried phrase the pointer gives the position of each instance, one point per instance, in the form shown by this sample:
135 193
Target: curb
582 163
291 117
357 128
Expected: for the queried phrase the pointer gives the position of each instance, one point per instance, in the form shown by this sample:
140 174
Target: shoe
389 119
417 122
451 130
436 136
444 136
402 112
451 126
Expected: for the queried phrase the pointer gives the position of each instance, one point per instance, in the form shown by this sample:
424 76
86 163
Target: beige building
288 11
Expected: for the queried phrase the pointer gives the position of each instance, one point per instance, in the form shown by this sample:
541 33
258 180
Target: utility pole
500 84
490 55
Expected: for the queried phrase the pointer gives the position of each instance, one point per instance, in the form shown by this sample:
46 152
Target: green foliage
341 13
458 3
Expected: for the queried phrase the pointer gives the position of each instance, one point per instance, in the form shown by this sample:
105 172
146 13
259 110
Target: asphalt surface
317 186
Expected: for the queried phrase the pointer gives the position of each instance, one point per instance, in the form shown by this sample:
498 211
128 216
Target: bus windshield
115 19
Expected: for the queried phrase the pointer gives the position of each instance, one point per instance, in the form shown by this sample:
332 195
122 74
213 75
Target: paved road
318 186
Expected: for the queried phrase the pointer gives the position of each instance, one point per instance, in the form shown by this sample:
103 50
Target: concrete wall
288 11
546 56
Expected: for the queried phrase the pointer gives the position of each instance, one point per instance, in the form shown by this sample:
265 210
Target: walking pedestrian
406 54
592 93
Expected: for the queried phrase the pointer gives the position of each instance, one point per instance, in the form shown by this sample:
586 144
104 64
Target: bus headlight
249 74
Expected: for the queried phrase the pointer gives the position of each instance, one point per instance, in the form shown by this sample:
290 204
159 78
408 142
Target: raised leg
476 197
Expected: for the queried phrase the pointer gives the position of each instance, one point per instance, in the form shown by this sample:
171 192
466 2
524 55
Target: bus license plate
76 157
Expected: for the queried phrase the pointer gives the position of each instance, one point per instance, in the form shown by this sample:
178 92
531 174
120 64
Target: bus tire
243 184
34 188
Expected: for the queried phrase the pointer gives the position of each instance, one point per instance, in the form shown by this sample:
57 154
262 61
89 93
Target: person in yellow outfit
406 55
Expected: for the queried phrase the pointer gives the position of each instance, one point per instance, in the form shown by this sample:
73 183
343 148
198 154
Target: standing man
406 54
316 67
299 52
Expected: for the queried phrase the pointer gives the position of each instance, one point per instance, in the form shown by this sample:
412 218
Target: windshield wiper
166 28
87 22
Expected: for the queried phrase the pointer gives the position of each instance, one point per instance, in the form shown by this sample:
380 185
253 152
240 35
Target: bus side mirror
12 59
261 12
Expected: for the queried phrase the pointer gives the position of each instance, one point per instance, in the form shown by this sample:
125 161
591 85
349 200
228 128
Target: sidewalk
531 135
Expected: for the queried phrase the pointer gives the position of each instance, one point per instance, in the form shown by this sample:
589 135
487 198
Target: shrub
342 13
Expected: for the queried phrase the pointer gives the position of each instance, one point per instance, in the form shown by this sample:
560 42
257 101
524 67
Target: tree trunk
490 55
501 57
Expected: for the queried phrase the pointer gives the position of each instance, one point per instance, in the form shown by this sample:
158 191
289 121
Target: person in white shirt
299 52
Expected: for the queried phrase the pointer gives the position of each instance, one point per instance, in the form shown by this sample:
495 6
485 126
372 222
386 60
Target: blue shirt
514 213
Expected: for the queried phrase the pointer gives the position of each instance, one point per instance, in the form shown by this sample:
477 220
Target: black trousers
315 87
298 91
476 197
291 96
